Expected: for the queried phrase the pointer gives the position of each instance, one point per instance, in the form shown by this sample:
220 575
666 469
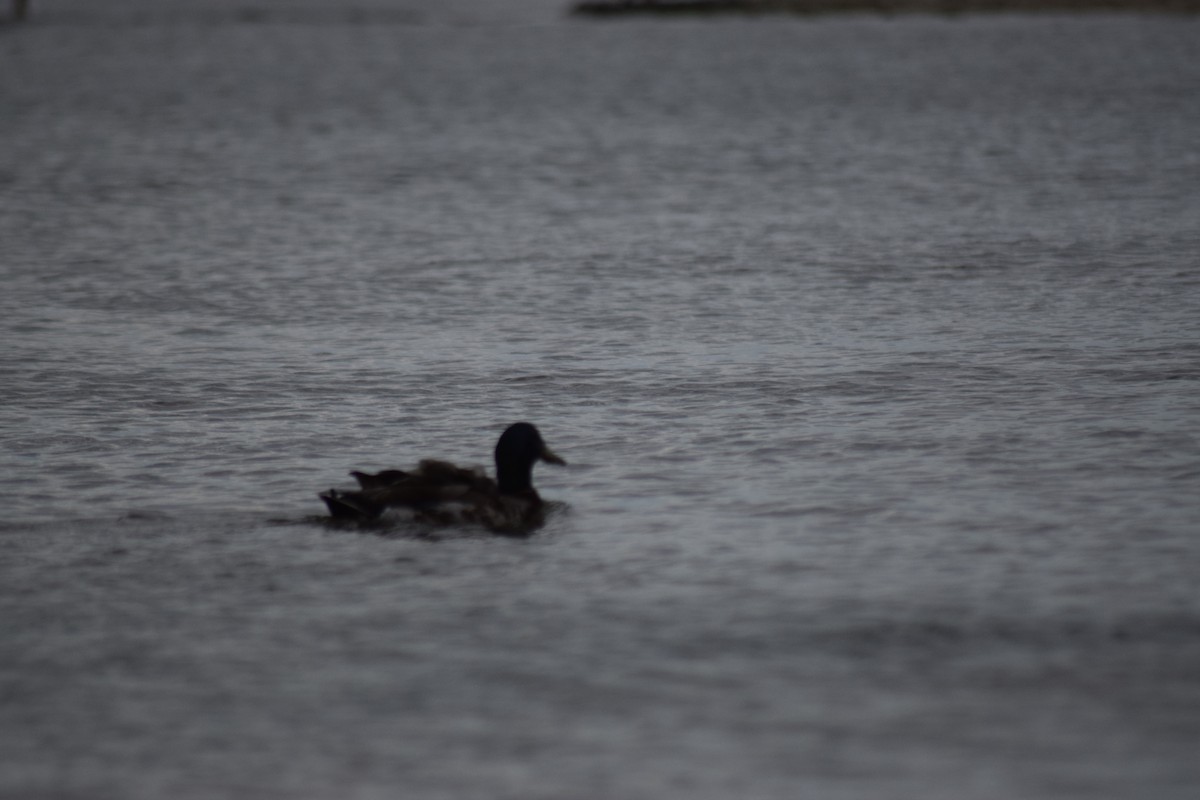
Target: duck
444 492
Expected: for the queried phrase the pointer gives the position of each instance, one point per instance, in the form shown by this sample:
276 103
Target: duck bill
550 458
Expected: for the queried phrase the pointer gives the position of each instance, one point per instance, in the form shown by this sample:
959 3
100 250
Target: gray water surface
872 343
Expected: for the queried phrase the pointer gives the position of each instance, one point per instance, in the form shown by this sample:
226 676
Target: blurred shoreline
415 12
683 7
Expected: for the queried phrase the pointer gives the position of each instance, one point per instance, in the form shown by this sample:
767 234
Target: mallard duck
507 504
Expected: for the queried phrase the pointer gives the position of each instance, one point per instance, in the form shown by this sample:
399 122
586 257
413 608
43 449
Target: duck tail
350 506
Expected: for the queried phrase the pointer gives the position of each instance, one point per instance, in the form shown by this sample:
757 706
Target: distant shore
686 7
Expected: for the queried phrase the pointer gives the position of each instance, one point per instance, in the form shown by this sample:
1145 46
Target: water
872 343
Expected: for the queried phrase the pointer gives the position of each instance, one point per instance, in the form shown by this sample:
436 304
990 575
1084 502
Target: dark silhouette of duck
508 504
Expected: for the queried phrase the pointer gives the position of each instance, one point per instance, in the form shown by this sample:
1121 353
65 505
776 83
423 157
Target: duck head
519 448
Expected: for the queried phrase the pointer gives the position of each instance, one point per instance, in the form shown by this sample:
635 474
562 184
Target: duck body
444 492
